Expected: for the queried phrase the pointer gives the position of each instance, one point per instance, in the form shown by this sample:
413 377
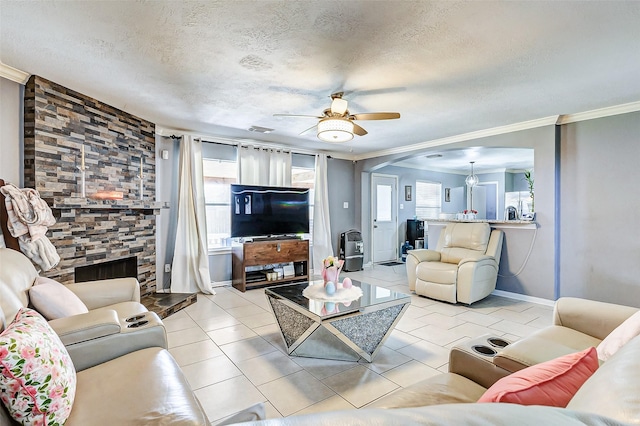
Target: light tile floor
232 354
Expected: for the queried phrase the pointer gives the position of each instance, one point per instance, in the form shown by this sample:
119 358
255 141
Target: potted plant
529 178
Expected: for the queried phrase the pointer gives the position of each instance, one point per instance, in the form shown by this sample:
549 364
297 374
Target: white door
479 200
384 216
491 199
457 199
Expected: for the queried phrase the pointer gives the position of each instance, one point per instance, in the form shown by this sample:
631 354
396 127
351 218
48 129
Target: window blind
428 199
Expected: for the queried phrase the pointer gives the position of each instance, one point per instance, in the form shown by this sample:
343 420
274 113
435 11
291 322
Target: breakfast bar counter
434 226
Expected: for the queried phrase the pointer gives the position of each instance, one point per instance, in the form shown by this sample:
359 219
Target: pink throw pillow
53 300
619 337
550 383
37 376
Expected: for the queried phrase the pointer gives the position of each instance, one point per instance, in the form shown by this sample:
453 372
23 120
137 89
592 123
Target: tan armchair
462 268
101 334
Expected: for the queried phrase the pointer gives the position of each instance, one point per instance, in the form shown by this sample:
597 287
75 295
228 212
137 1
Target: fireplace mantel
86 203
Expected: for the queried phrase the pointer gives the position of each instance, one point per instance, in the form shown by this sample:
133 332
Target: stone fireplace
63 130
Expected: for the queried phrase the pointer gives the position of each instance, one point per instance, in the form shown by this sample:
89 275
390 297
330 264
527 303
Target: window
305 177
428 199
218 176
383 203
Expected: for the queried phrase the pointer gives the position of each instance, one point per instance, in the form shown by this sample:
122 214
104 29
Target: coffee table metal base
351 337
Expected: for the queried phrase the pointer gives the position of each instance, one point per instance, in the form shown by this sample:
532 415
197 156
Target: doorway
384 217
491 202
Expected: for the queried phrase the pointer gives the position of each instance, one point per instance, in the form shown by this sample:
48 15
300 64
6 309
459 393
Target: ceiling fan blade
296 115
359 130
339 106
375 116
370 92
305 131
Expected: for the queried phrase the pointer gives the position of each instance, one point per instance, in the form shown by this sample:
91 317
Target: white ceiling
219 67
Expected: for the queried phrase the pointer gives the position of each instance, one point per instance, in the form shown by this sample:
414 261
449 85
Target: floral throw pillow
37 376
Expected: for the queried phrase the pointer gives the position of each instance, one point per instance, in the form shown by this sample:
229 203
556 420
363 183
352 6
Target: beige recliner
462 268
116 324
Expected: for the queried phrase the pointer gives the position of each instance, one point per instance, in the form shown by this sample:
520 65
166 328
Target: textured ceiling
219 67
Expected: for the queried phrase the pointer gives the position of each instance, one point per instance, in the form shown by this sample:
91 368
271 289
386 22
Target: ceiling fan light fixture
335 130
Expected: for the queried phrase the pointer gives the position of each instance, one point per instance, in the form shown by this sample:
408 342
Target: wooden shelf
265 253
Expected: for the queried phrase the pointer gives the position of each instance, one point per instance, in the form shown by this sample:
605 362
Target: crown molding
599 113
525 125
167 131
13 74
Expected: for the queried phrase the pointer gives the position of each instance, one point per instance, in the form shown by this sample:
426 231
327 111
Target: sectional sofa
609 396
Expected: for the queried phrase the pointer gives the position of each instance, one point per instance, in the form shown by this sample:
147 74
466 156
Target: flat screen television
268 211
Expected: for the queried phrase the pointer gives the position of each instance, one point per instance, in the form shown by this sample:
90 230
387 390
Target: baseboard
213 285
523 297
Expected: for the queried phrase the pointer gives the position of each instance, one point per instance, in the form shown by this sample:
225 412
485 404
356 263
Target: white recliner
462 268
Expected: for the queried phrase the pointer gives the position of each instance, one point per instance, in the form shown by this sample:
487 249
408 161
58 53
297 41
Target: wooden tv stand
266 253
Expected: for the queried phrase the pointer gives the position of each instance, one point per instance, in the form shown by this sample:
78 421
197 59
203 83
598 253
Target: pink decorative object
550 383
331 267
347 283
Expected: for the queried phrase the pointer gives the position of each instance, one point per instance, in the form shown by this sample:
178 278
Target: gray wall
340 176
516 182
11 132
166 175
537 276
599 243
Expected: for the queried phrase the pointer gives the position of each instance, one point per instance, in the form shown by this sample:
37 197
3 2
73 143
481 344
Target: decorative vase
331 268
330 274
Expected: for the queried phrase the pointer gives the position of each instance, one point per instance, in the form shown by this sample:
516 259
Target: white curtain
260 166
190 271
321 226
279 168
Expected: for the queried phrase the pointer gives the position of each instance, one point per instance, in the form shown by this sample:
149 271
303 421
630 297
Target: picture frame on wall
407 193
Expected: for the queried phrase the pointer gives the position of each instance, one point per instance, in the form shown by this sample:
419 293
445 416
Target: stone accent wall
58 122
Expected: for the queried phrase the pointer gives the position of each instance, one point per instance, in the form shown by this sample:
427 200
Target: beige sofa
577 324
125 375
463 267
611 396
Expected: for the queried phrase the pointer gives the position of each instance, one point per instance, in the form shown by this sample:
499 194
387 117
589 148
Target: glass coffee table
343 330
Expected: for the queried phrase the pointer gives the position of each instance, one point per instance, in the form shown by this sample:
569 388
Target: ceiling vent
259 129
434 156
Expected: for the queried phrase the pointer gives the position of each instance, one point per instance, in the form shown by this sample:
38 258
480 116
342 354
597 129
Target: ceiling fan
337 123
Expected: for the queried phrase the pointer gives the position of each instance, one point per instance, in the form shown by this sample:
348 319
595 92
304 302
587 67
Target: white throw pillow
626 331
53 300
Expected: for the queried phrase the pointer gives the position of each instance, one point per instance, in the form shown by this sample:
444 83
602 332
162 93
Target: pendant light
472 180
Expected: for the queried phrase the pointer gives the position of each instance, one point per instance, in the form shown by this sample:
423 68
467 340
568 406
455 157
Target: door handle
375 226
